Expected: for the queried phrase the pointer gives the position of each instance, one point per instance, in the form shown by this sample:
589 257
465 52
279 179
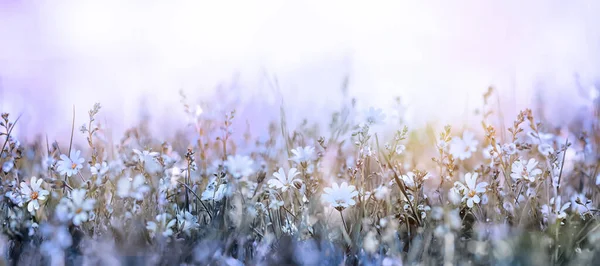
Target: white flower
580 204
99 170
56 239
509 148
15 197
527 171
211 194
555 211
33 194
161 225
381 192
340 196
239 166
186 222
490 153
454 195
283 182
374 116
144 156
8 165
409 180
400 149
303 154
471 190
148 159
508 207
134 188
77 207
545 149
70 165
462 148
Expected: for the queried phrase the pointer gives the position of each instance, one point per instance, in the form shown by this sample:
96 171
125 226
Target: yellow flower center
472 193
34 195
79 210
73 166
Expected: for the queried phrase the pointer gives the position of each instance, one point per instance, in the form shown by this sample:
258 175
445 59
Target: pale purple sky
439 55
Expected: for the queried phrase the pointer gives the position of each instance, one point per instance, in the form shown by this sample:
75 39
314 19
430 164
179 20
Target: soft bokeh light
439 56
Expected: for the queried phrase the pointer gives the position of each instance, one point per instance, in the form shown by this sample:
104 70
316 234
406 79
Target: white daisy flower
525 171
303 154
471 190
340 196
283 181
134 188
70 165
462 148
239 166
78 206
162 225
33 194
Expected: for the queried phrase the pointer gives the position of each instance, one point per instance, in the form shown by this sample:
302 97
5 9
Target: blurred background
439 56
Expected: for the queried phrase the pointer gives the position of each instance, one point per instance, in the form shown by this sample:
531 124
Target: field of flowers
351 193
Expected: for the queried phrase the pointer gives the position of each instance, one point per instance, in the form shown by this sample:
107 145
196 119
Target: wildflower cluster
354 193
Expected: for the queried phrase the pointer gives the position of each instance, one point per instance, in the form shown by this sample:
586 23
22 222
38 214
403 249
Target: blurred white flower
508 207
144 156
8 165
370 242
99 169
283 181
186 222
545 149
489 153
409 180
509 148
56 239
33 194
581 204
400 149
239 166
15 198
555 211
525 171
340 196
454 195
77 207
381 192
374 116
134 188
303 154
462 148
162 225
212 192
471 190
148 159
70 165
